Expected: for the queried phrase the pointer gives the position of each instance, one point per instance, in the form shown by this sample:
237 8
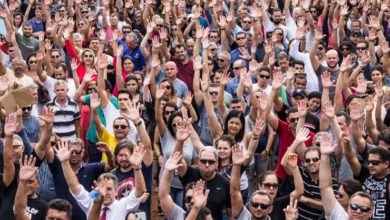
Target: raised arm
235 191
356 115
159 117
292 161
101 87
196 81
136 161
350 154
370 126
10 128
199 200
47 116
325 177
166 201
215 127
95 117
313 57
63 154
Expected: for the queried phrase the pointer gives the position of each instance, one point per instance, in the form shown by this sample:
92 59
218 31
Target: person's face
18 148
123 99
256 208
342 197
123 158
234 126
223 61
213 51
132 86
188 199
32 186
128 65
345 50
312 162
224 150
111 192
56 214
34 93
292 120
38 13
361 49
276 17
207 164
62 11
168 111
91 4
270 185
55 57
243 13
246 23
214 37
237 67
214 92
94 46
78 41
59 73
313 12
376 166
27 31
26 112
61 91
18 67
121 129
176 121
355 26
241 40
236 106
91 88
314 104
168 88
283 63
170 70
358 214
342 123
320 50
300 83
297 98
76 154
376 76
88 57
114 20
18 20
180 53
354 39
32 62
299 68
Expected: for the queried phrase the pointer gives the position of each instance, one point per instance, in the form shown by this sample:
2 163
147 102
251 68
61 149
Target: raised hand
163 33
197 63
318 34
40 54
102 62
258 129
173 161
137 156
204 84
246 78
346 65
183 131
88 76
155 61
329 110
132 112
378 89
224 79
95 102
302 135
361 85
369 103
245 54
187 99
103 147
74 65
11 124
292 160
47 115
62 151
277 80
326 144
237 155
222 21
160 92
355 111
301 33
262 99
156 43
326 82
200 196
291 211
302 108
27 168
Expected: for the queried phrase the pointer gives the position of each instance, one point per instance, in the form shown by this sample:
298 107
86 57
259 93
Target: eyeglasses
16 146
362 208
77 152
120 126
345 49
269 185
26 109
240 38
247 22
174 125
361 48
126 32
90 56
55 57
213 49
237 67
32 61
168 87
320 48
213 93
188 199
261 205
91 89
374 162
169 112
280 34
221 60
53 143
317 144
160 25
293 120
314 160
210 162
313 11
264 76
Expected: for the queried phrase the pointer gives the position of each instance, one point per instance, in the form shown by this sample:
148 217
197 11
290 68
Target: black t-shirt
8 192
36 209
219 196
279 204
378 189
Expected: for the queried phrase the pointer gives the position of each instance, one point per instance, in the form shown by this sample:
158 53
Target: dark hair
61 205
298 62
241 117
300 76
267 173
345 115
383 153
60 65
127 58
131 77
168 104
348 100
313 148
124 143
265 68
124 91
171 84
229 140
107 85
28 59
364 195
351 186
170 120
314 94
291 110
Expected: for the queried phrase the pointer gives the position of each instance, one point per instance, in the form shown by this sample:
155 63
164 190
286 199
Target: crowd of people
219 109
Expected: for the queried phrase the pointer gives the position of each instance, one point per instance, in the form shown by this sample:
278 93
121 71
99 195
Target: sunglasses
90 56
320 48
279 34
84 12
126 32
174 125
213 49
314 160
210 162
92 89
26 109
261 205
237 68
345 49
55 57
221 60
361 48
264 76
120 126
247 22
168 113
269 185
374 162
317 144
168 87
188 199
362 208
32 61
213 93
293 120
77 152
240 38
53 143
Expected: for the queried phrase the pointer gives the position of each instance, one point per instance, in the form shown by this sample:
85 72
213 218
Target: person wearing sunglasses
360 204
174 211
31 123
263 80
375 173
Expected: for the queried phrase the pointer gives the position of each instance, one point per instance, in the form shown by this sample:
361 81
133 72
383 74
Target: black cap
300 92
356 33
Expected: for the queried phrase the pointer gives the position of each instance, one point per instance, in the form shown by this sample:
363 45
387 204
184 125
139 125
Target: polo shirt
286 138
109 139
65 118
185 72
136 56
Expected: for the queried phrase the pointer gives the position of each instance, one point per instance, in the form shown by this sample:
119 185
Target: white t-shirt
50 82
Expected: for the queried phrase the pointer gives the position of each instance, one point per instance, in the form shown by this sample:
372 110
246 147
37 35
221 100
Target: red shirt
286 138
185 72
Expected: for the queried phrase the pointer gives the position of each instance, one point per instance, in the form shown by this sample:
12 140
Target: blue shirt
136 56
236 53
36 26
181 88
31 126
232 86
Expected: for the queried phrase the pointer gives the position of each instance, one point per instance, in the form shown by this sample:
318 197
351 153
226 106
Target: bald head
332 58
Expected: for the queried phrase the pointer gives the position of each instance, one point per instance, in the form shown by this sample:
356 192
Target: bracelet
255 137
137 168
138 123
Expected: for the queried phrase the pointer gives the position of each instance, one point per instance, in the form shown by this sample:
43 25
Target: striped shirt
312 190
65 118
